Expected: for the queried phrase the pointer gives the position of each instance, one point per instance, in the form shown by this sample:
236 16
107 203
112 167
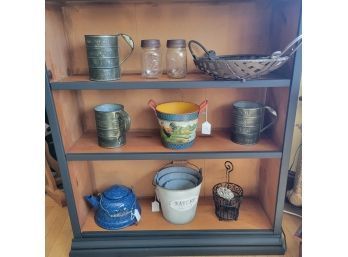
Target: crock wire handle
197 43
275 117
292 47
203 105
130 42
229 168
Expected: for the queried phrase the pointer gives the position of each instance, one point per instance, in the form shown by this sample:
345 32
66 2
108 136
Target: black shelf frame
159 243
171 155
151 84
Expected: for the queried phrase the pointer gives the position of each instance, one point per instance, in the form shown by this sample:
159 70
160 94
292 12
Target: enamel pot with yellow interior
178 122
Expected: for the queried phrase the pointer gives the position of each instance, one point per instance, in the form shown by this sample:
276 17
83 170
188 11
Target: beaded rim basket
227 209
242 67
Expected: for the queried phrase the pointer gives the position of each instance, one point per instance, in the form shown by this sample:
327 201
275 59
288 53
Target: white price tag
155 206
206 128
137 215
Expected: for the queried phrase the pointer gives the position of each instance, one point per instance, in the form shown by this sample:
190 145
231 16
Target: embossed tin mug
248 121
103 56
112 123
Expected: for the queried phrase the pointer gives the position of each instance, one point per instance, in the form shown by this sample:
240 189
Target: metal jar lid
150 43
176 43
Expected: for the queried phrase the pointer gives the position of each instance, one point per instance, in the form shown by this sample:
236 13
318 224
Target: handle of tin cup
203 105
199 44
127 120
275 117
130 42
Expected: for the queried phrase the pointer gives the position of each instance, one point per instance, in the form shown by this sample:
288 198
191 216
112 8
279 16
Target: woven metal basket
227 208
242 67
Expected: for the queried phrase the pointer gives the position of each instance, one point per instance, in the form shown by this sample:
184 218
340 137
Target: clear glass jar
176 58
151 62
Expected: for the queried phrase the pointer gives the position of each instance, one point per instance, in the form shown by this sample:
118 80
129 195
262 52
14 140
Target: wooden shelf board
147 145
193 80
251 217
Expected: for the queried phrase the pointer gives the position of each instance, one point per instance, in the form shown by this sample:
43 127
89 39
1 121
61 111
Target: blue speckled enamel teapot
116 208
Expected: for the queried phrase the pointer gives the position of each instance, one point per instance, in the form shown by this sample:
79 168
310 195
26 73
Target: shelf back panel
69 116
278 99
236 27
82 183
56 44
268 187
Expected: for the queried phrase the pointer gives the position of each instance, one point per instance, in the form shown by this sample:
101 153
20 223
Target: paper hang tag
137 215
206 128
155 206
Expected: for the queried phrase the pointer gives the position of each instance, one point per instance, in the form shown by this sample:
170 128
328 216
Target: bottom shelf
251 217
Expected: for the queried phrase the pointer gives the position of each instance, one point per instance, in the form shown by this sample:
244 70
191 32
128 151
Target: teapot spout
94 201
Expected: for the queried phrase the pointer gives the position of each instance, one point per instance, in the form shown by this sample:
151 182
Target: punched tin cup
112 123
104 74
103 63
101 40
248 109
248 121
103 56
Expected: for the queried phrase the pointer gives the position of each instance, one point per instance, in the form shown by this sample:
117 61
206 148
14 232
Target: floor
58 232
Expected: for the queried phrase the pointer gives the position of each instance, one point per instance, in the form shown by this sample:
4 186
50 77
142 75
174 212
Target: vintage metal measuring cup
112 123
248 121
103 56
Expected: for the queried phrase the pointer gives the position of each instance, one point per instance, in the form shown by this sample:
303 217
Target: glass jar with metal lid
151 58
176 58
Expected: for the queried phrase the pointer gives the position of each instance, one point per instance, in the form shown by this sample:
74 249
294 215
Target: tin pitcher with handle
112 123
248 121
103 56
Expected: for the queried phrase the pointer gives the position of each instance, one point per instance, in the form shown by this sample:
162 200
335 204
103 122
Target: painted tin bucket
103 56
248 121
178 122
177 189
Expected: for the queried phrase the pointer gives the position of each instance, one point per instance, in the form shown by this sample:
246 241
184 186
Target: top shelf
135 81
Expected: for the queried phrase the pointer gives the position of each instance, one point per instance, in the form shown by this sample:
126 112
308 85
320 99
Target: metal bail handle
292 47
177 163
275 117
229 168
130 42
199 44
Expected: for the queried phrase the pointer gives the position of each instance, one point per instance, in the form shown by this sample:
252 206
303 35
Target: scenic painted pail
178 122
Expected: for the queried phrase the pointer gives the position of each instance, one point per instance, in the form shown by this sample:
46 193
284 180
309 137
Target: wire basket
227 205
242 67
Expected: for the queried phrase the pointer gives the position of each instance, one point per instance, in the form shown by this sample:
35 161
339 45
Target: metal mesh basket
227 209
242 67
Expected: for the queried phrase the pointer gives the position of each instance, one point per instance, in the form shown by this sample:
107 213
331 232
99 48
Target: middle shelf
146 145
